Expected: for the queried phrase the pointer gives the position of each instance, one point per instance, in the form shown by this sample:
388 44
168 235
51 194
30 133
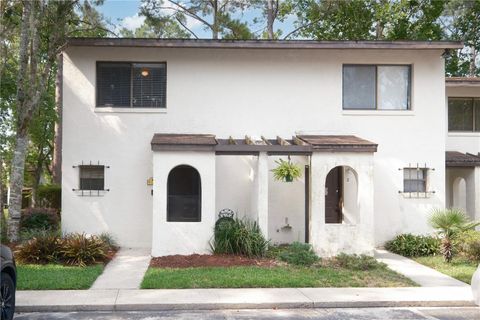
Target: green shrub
300 254
81 250
28 234
410 245
238 236
468 244
50 196
358 262
42 249
108 240
39 218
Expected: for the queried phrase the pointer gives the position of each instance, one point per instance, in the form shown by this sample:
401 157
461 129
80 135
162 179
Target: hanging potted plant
286 171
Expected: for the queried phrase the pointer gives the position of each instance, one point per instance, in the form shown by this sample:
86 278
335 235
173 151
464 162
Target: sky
124 13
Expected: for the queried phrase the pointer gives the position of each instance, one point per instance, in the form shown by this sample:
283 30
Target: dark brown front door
333 196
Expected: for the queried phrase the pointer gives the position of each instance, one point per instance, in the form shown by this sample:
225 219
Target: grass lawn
56 277
459 269
270 277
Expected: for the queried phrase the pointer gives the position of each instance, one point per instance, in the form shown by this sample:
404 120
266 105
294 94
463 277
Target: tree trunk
57 142
473 67
37 175
215 20
16 184
270 19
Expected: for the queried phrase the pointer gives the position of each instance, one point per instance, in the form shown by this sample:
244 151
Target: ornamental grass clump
450 223
80 250
41 249
238 236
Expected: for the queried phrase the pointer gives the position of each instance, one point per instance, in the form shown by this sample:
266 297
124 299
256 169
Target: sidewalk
422 275
188 299
125 271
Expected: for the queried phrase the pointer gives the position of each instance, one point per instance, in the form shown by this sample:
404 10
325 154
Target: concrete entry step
125 271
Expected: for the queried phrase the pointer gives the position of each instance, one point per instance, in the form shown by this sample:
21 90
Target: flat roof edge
260 44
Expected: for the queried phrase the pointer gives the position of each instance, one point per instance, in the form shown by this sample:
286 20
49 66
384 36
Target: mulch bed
208 260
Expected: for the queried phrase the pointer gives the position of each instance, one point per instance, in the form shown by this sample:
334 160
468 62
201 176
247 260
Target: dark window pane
149 85
113 84
359 87
92 177
477 114
460 114
184 195
414 180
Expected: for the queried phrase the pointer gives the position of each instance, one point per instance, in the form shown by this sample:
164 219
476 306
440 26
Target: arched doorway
184 194
341 200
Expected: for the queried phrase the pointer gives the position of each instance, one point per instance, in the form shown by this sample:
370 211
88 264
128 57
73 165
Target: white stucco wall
236 92
182 237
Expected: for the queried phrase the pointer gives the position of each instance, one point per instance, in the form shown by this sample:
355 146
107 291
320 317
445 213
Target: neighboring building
463 145
160 135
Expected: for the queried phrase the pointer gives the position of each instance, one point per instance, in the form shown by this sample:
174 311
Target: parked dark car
8 283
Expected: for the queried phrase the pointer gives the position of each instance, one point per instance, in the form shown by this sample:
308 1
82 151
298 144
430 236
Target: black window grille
184 193
131 85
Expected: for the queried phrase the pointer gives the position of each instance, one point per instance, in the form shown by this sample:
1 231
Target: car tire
7 296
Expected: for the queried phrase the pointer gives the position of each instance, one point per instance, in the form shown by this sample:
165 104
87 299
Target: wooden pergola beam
282 141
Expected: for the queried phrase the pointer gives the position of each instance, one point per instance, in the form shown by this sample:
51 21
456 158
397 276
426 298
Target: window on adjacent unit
131 85
92 177
184 193
372 87
464 114
415 180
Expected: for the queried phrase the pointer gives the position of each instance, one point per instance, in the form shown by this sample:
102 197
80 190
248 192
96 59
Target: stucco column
261 192
477 195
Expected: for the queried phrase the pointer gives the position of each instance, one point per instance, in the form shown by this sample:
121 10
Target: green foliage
239 236
300 254
468 244
108 240
449 224
49 196
81 250
39 250
410 245
358 262
286 171
28 234
39 218
73 249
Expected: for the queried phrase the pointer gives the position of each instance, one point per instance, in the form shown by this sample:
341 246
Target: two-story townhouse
160 135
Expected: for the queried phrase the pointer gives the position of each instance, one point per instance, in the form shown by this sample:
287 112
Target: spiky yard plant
286 171
449 223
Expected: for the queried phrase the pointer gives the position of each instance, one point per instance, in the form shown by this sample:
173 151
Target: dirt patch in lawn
208 260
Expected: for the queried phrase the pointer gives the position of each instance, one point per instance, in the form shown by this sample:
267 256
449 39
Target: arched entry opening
341 196
184 194
460 193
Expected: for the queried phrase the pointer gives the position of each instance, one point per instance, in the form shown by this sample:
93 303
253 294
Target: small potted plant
286 171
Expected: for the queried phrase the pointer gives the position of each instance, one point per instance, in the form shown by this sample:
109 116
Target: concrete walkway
125 271
422 275
210 299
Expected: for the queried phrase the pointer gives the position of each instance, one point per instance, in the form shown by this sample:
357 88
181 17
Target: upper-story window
464 114
131 85
376 87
